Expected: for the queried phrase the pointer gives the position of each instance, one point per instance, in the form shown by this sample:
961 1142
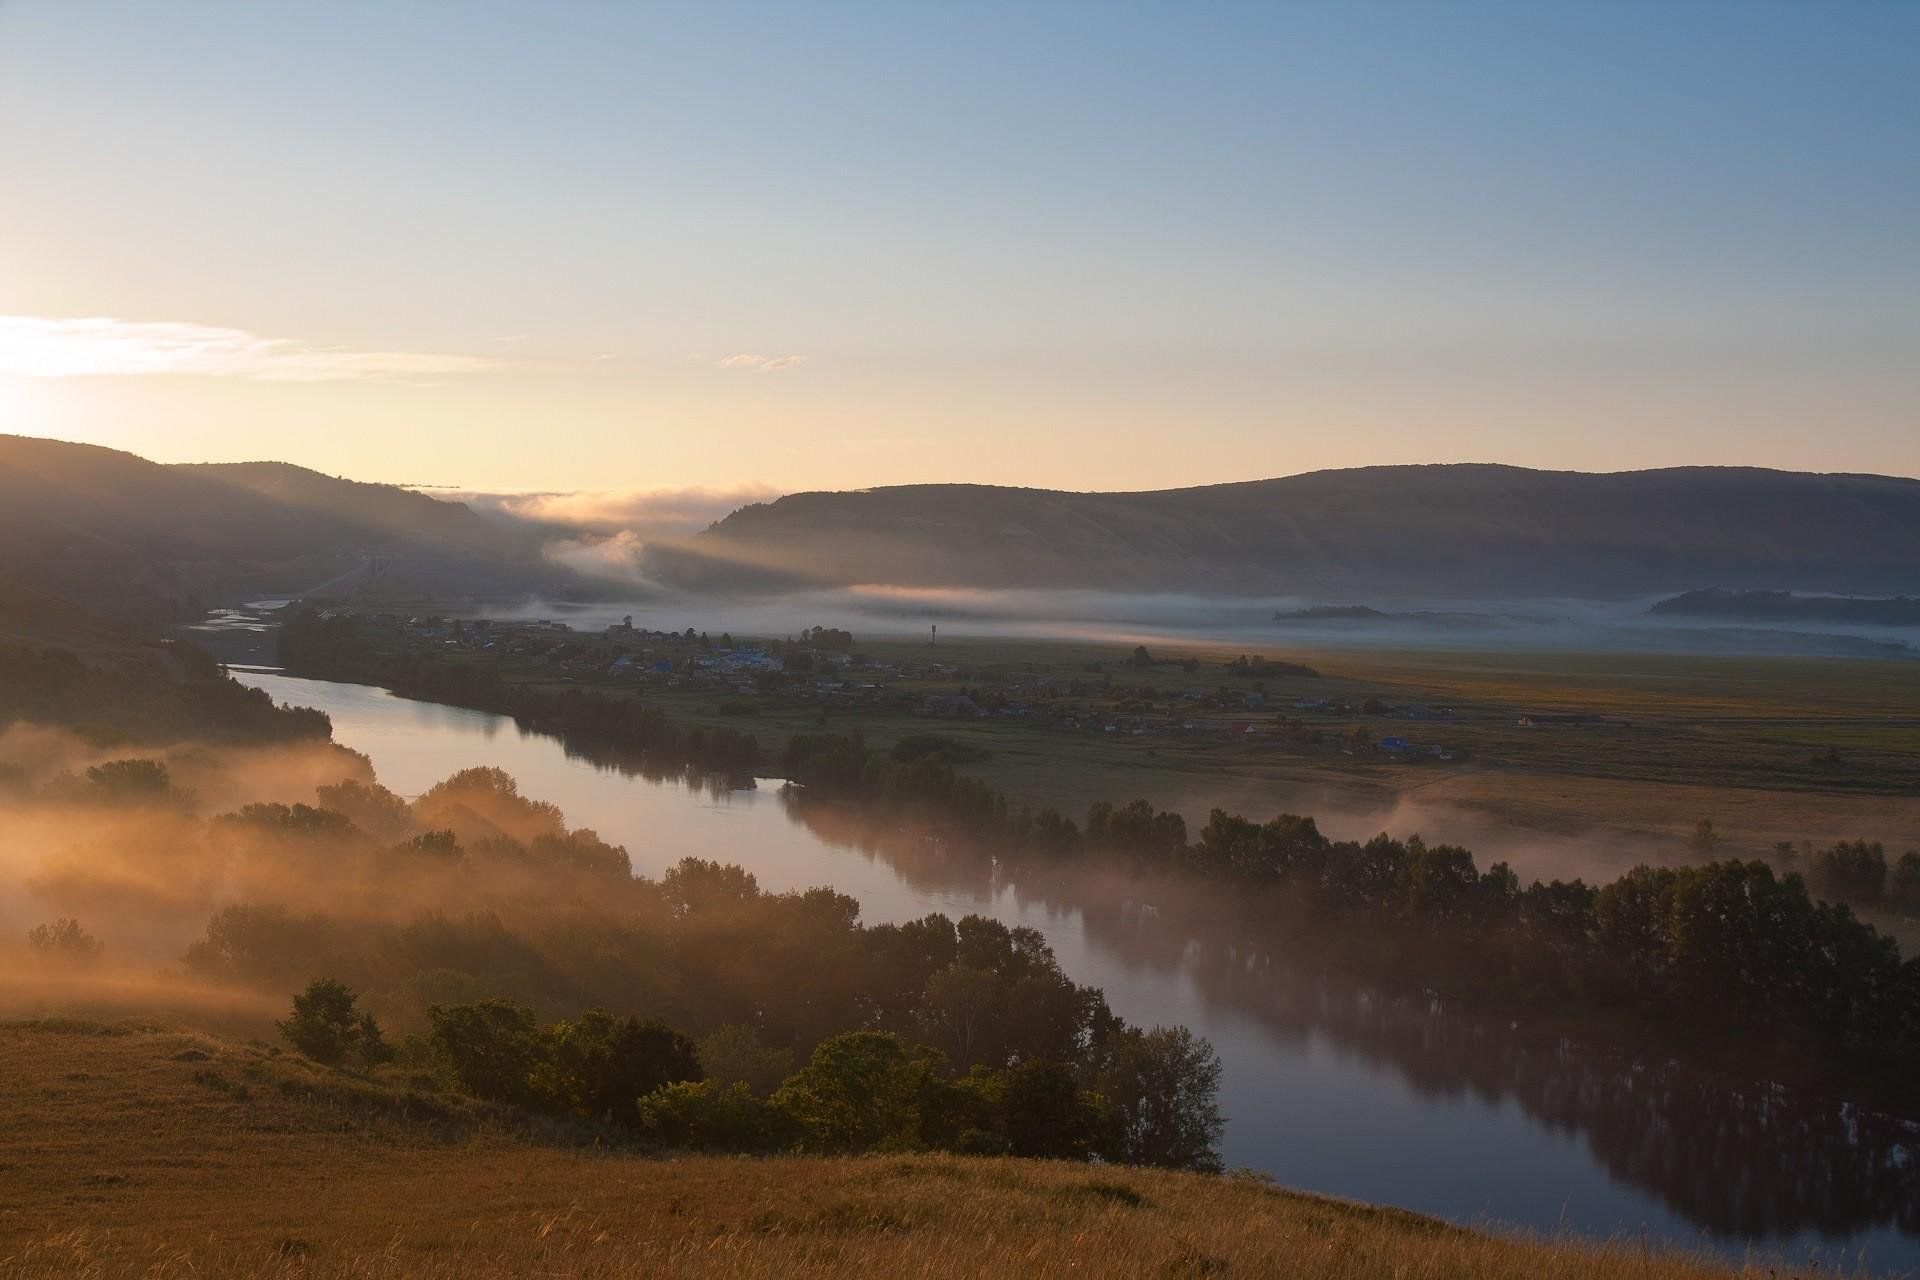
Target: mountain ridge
1484 529
132 539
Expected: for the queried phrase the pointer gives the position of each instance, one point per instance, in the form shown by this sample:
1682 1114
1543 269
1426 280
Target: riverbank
150 1151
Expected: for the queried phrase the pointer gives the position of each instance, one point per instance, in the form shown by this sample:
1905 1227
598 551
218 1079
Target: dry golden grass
130 1154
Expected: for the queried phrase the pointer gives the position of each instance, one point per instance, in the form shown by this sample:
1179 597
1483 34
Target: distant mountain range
92 538
122 537
1460 531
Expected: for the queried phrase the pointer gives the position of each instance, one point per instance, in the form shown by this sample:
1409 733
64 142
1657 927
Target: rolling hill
136 1150
1429 531
132 539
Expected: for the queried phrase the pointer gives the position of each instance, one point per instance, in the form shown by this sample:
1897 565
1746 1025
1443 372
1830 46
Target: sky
1116 245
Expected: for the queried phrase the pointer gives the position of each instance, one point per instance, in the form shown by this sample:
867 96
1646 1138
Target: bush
700 1115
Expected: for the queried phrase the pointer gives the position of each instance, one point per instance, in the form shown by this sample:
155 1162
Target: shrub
700 1115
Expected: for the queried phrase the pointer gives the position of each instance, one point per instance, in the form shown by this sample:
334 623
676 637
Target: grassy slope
121 1157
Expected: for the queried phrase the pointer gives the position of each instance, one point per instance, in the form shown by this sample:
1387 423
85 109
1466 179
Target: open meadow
142 1151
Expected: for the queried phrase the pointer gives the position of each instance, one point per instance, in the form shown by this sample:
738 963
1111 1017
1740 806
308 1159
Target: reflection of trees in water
1741 1162
637 764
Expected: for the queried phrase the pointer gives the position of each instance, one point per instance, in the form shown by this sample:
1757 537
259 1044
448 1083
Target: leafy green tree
493 1047
326 1027
1162 1093
860 1091
597 1064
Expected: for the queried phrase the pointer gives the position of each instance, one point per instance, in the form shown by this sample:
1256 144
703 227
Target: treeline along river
1330 1085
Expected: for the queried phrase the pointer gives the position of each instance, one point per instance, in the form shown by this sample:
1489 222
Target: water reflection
1738 1163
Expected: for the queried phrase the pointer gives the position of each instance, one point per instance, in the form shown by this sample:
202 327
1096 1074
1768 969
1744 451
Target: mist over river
1329 1086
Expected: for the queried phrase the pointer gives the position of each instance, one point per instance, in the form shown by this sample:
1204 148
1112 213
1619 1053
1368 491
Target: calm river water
1328 1087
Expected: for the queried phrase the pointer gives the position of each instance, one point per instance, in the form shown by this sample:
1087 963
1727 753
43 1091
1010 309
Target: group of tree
1730 949
1859 872
526 915
1150 1100
174 693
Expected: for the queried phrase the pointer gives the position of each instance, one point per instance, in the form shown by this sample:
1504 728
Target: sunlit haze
516 246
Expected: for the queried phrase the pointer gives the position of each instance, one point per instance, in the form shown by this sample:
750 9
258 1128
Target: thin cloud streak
759 363
102 346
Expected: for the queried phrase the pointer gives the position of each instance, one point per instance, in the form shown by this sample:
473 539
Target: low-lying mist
1250 622
115 862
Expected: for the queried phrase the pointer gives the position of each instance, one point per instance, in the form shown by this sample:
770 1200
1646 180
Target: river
1328 1087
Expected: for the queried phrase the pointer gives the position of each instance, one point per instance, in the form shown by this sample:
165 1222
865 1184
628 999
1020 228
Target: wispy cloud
41 347
759 363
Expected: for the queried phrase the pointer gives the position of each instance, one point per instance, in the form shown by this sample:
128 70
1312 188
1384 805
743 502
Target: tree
1162 1095
734 1054
1704 839
64 942
957 1007
493 1048
130 781
1855 872
1045 1114
326 1027
860 1091
1903 891
598 1065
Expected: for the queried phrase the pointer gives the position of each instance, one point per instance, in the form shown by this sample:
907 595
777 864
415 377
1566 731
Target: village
1278 705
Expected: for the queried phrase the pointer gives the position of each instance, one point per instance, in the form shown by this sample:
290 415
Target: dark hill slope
401 515
134 539
1466 530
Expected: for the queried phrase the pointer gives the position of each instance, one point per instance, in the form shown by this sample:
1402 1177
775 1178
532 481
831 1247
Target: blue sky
1115 245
